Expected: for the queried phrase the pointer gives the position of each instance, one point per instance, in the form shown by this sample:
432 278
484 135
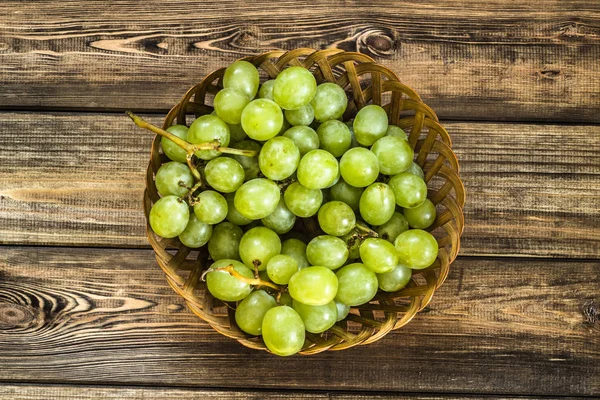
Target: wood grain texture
468 59
77 179
101 316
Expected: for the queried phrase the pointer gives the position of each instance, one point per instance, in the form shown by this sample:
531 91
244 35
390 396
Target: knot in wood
376 42
591 312
16 316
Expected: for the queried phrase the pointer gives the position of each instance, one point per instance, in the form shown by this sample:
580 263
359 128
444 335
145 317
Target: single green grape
334 137
281 220
336 218
170 149
257 198
286 125
359 167
279 158
327 251
229 104
420 217
318 169
353 242
396 131
250 312
169 216
394 155
233 215
286 300
266 90
342 310
416 170
258 246
391 229
346 193
294 88
305 138
313 286
173 178
350 125
377 204
236 133
225 287
378 255
242 76
224 174
283 331
210 207
196 233
302 201
395 279
302 116
225 242
281 268
330 102
357 284
264 276
317 319
370 124
262 119
208 129
296 249
250 164
409 190
417 249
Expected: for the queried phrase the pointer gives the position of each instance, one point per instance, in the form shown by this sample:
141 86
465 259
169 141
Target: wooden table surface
85 312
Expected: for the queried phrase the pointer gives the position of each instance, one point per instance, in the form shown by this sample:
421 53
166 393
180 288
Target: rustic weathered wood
468 59
103 316
77 179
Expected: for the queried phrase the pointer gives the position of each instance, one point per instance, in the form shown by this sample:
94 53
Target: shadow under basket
365 82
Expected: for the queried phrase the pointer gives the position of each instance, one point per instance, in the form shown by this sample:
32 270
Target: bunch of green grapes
275 155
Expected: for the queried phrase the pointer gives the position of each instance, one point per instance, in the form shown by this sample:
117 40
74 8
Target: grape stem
368 231
190 148
253 282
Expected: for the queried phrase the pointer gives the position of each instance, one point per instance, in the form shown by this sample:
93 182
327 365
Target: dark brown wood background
85 312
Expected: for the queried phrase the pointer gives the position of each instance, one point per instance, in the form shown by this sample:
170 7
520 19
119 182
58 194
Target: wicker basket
364 81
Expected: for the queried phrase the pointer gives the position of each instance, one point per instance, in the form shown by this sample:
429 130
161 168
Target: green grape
233 215
169 216
302 116
264 276
225 287
224 174
283 331
242 76
409 190
250 164
327 251
417 249
342 310
173 178
262 119
302 201
336 218
317 319
286 125
378 255
370 124
357 284
313 286
318 169
395 279
329 102
334 137
353 242
305 138
396 131
196 233
229 104
297 250
257 198
350 125
279 158
359 167
420 217
211 207
281 268
281 220
394 155
391 229
258 246
266 90
286 300
208 129
416 170
225 242
346 193
170 149
236 133
294 88
250 312
377 204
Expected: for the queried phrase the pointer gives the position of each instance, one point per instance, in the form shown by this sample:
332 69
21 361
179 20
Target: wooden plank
77 179
102 316
468 59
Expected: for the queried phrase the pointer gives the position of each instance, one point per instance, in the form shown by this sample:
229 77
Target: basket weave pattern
365 82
